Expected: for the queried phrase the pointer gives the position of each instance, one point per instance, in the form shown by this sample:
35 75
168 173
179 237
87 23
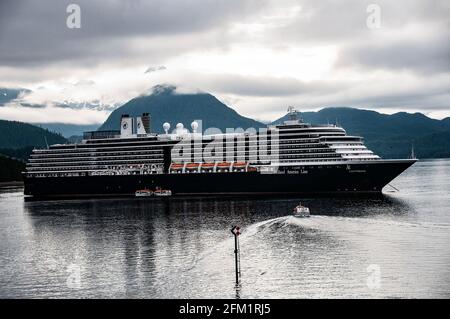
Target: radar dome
166 127
194 126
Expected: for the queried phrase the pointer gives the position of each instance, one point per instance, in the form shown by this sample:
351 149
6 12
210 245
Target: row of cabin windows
94 159
295 151
87 166
322 160
289 136
112 144
76 152
114 153
311 156
295 154
99 149
54 158
282 146
74 174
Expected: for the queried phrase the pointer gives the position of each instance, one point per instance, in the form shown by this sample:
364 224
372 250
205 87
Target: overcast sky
257 56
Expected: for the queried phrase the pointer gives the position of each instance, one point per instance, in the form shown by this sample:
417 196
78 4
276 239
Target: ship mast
293 114
413 155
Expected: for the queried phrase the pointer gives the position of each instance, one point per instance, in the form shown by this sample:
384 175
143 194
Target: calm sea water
395 246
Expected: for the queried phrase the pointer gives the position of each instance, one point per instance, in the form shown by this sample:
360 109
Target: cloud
429 55
375 92
259 86
10 94
48 114
84 83
152 69
345 21
35 33
259 55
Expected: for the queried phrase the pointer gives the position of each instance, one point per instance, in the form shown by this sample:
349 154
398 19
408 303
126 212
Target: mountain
435 145
17 140
446 121
68 130
75 139
20 154
10 169
16 135
390 136
10 94
165 105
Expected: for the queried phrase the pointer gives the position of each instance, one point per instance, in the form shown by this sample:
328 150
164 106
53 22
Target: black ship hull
368 177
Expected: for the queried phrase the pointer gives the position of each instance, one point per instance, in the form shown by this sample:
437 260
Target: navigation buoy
236 231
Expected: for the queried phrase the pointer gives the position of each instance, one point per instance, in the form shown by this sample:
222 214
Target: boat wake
247 233
331 222
255 228
372 231
351 228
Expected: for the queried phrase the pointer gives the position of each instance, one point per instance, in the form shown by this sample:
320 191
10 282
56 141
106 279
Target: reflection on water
181 247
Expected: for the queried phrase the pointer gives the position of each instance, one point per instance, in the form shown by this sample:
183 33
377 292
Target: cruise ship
291 158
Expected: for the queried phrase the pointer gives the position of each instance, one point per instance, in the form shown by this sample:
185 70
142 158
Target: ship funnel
126 125
146 122
140 129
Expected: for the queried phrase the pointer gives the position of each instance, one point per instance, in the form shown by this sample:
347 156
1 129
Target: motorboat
301 211
162 192
143 193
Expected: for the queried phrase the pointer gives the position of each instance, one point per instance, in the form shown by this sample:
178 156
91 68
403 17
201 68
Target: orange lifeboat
192 167
223 167
240 164
176 168
207 167
223 164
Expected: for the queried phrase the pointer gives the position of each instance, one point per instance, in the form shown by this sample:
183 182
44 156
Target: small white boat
143 193
301 211
162 192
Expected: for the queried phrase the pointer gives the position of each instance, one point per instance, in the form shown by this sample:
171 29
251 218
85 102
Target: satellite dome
194 126
180 126
166 127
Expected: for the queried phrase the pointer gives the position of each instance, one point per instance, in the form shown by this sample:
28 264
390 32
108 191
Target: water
395 246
